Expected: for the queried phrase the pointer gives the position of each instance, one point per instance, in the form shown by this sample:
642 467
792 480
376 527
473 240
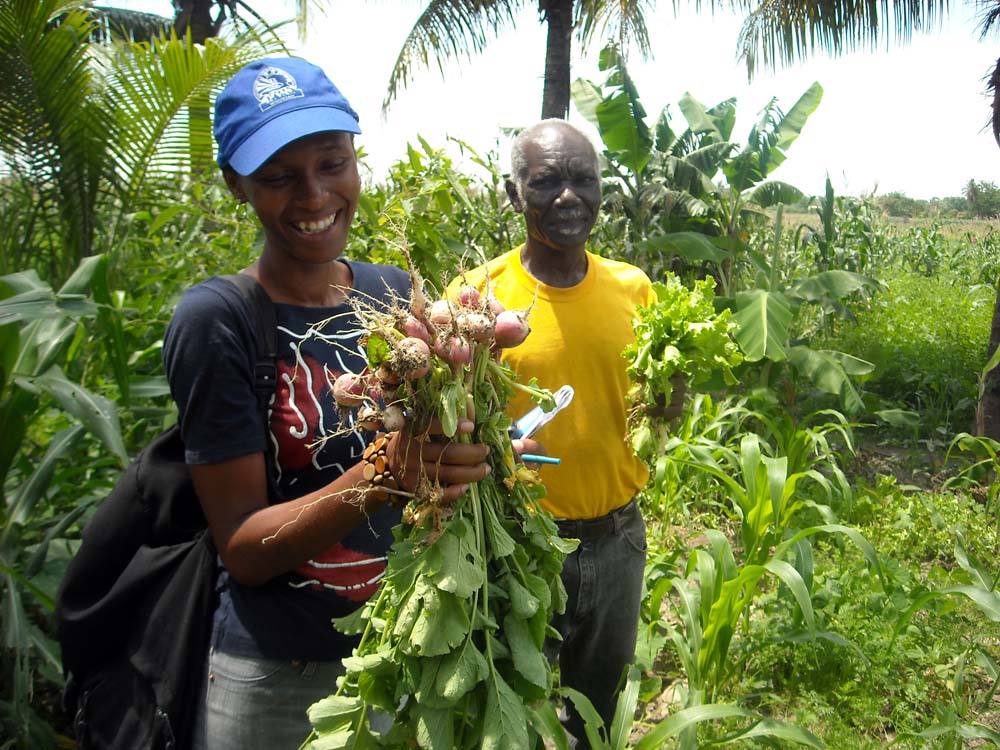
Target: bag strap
265 368
266 324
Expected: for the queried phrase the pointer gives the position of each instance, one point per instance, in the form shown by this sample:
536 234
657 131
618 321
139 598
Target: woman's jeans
260 703
603 579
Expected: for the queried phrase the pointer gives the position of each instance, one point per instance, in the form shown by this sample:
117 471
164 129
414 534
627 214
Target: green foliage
891 642
38 332
773 319
983 198
927 339
447 220
649 178
900 204
658 182
94 132
849 236
761 618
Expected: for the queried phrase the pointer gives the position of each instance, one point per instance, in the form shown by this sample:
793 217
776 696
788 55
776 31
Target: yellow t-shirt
577 338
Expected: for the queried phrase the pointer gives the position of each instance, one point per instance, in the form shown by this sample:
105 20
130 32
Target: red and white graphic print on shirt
306 437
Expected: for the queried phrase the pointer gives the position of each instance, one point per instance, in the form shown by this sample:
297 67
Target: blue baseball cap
272 102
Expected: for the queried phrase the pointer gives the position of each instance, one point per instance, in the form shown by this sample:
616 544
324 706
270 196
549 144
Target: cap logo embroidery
272 86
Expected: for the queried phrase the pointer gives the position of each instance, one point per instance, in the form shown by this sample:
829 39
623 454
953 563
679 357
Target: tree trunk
988 410
558 16
195 15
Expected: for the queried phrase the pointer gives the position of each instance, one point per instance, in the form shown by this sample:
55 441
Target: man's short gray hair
519 164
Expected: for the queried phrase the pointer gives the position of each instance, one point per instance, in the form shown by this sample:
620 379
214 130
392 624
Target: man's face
561 188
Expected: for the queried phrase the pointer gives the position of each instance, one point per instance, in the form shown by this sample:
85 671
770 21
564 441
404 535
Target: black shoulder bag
134 611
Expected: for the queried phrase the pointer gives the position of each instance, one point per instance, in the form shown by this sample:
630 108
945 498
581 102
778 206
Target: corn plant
763 494
37 330
710 601
705 428
982 589
954 723
848 237
681 724
806 443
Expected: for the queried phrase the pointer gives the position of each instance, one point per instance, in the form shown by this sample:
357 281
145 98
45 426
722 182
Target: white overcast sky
911 118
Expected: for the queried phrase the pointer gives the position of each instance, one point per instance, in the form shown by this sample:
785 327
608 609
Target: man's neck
562 268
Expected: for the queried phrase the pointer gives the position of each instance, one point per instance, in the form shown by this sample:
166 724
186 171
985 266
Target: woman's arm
258 541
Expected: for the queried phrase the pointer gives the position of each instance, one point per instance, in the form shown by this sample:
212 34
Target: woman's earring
241 210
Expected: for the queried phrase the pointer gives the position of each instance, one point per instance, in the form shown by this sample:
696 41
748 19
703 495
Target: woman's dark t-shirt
209 354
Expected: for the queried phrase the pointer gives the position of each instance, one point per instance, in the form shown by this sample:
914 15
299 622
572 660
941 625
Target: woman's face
305 196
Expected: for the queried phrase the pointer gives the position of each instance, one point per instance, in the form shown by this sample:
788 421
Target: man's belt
594 528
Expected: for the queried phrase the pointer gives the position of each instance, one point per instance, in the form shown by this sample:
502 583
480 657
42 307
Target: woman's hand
453 464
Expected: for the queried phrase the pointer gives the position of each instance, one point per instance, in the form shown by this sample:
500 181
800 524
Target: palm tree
448 29
783 31
92 130
198 20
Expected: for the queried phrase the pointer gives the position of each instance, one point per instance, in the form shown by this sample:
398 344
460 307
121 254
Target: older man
582 307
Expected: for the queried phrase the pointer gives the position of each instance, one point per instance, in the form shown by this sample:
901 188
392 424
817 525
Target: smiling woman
310 545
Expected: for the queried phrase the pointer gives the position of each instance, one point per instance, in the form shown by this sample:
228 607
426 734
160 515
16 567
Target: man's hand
676 405
527 445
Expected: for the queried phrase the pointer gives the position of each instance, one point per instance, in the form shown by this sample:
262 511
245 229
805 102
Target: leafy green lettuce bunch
680 334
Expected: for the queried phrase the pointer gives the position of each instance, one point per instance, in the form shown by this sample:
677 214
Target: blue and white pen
534 458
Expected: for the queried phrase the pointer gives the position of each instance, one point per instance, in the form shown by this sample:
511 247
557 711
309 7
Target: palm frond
161 93
448 30
989 14
91 129
304 10
783 31
54 129
993 88
622 22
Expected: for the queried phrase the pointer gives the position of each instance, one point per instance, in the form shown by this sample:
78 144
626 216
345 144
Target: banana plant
765 315
38 327
665 180
662 182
